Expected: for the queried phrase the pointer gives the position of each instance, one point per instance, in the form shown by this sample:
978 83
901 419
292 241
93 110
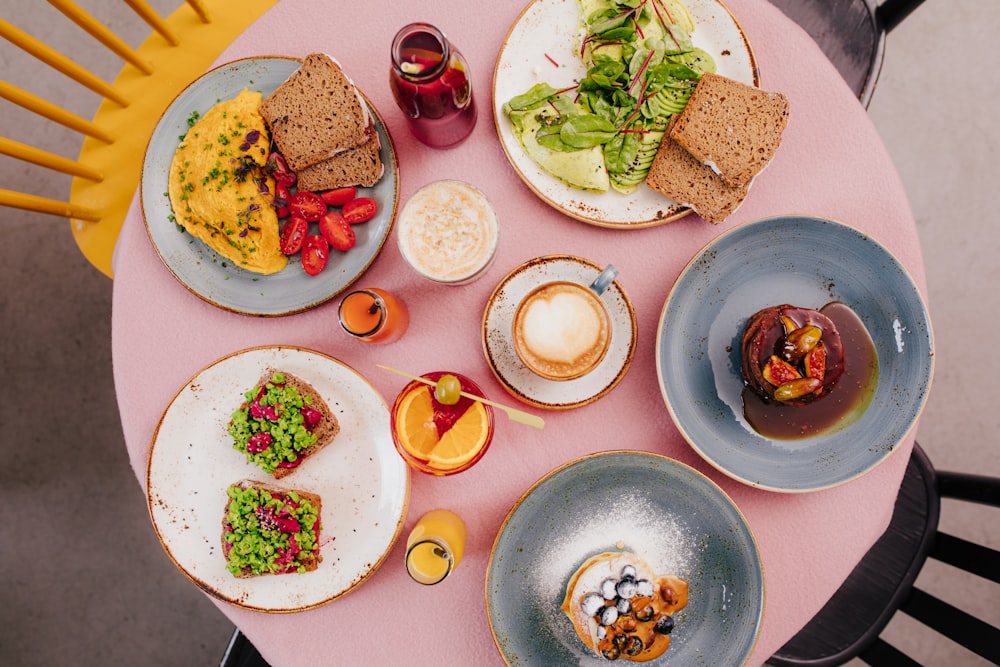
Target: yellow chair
107 171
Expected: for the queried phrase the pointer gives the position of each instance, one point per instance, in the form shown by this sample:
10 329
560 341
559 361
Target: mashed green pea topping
270 533
274 409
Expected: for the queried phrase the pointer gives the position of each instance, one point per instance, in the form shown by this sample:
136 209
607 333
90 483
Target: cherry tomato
282 197
359 210
339 196
279 169
315 253
307 205
293 235
336 230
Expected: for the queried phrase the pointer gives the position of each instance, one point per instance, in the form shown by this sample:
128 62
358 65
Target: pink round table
832 163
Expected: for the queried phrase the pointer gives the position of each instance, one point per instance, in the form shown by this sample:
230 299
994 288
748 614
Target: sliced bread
733 128
265 410
356 166
256 523
316 112
680 176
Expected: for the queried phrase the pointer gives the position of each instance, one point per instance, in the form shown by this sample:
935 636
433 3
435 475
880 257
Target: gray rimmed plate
667 513
362 481
808 262
202 270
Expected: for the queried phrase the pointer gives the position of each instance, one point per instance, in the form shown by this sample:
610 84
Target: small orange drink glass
373 315
435 546
441 439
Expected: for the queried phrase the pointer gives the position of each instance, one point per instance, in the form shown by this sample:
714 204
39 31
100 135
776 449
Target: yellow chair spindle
50 206
149 15
101 33
201 10
48 110
59 62
16 149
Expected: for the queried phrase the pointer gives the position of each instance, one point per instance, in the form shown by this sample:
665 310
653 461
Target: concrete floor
86 582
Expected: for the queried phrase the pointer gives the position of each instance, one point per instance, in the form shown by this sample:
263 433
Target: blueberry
623 606
608 589
591 603
633 646
664 624
629 571
609 615
626 588
645 614
644 588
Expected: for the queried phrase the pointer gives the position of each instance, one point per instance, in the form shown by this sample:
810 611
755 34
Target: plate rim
210 590
743 228
662 459
681 211
392 157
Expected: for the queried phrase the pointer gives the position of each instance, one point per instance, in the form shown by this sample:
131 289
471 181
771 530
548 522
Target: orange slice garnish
463 441
415 423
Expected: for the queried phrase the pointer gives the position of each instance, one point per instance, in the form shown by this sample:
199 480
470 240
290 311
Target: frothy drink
561 330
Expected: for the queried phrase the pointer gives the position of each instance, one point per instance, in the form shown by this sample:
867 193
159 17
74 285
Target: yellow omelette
218 190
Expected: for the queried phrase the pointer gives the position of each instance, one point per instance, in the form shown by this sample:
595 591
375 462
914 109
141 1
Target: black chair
851 623
851 34
241 653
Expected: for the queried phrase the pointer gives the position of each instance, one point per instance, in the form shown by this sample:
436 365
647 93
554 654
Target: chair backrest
107 170
977 560
851 33
887 580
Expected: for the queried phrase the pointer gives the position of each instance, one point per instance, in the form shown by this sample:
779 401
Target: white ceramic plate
514 376
549 29
807 262
362 481
200 268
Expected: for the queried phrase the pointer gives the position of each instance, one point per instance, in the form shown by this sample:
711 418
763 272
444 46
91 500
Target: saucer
510 371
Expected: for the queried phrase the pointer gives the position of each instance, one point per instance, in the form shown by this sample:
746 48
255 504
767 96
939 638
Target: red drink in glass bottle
430 81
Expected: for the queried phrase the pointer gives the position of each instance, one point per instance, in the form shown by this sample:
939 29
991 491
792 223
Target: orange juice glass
441 439
435 546
373 315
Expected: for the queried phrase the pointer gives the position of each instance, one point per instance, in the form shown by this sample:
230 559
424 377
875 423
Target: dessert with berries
621 609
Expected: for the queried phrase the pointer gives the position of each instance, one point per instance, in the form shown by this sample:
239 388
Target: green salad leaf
641 69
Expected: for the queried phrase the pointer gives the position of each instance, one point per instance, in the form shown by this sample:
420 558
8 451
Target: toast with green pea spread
282 421
266 530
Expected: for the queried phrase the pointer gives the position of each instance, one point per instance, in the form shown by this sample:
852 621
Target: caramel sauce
846 401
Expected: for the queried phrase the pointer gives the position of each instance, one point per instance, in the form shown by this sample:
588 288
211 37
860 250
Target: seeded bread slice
732 127
316 112
680 176
325 431
356 166
307 558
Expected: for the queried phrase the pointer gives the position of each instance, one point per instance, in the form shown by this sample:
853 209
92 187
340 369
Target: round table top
831 164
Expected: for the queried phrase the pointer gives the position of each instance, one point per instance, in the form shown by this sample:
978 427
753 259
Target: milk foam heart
561 330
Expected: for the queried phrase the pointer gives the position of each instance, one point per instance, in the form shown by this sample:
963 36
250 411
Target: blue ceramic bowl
807 262
667 513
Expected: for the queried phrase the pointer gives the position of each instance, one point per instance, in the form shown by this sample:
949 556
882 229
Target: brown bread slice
316 113
732 126
680 176
310 561
325 431
356 166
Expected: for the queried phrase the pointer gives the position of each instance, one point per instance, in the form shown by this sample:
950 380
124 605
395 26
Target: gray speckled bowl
667 513
807 262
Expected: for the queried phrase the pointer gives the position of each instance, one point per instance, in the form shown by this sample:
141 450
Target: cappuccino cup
562 329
